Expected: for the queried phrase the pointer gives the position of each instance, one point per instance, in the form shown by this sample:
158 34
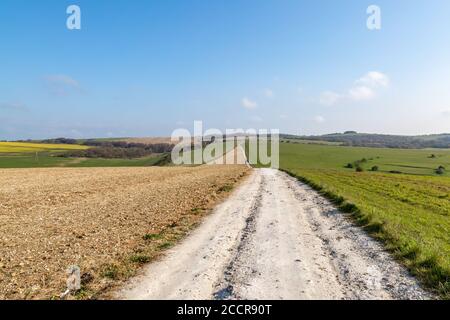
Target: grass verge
424 260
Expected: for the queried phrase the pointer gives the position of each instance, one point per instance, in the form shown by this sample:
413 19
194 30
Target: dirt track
236 156
275 238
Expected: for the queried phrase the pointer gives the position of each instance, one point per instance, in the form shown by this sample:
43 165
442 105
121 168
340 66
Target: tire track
236 265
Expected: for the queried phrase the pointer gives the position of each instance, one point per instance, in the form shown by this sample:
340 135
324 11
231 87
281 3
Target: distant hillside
352 138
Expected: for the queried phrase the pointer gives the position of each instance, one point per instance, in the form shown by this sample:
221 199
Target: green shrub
440 170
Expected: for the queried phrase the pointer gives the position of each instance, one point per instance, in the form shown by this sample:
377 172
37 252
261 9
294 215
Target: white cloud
268 93
283 116
248 104
319 119
446 113
374 79
364 89
361 93
329 98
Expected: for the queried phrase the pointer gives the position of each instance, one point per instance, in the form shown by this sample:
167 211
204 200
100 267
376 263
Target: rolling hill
352 138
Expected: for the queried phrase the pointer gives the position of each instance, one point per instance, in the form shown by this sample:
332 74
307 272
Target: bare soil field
107 221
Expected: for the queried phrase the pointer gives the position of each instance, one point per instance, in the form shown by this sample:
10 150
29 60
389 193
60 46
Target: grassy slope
30 160
336 157
43 160
408 212
141 162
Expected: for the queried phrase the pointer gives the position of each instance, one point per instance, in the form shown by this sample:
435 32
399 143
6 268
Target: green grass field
409 212
417 162
45 160
140 162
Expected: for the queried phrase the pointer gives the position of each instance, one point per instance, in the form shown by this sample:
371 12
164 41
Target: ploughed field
107 221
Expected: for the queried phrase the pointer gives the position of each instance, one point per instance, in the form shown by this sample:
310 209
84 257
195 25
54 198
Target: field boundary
428 272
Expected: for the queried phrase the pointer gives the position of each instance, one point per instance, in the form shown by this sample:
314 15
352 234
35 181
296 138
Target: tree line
118 149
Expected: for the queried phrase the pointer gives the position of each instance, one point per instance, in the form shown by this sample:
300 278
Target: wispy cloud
361 93
61 84
363 89
446 113
249 104
13 106
374 79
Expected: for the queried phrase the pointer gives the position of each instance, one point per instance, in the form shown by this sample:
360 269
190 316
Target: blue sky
142 68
